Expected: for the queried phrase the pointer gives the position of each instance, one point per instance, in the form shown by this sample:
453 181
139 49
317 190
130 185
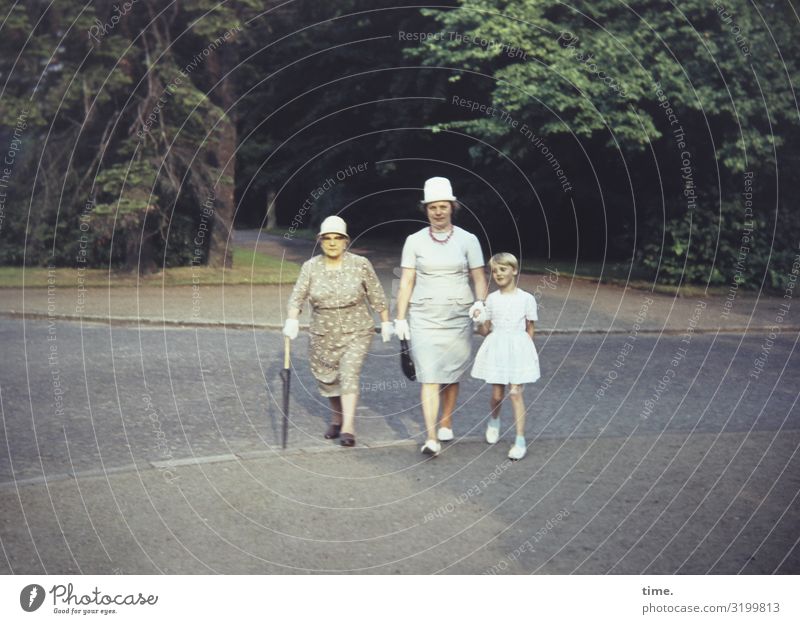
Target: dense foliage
127 135
660 133
663 115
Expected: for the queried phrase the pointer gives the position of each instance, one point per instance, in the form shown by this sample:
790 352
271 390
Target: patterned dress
342 326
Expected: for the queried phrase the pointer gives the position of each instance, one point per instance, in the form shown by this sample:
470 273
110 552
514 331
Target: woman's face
333 245
440 214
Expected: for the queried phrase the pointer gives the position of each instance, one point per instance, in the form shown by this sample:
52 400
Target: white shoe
445 434
431 447
517 452
493 430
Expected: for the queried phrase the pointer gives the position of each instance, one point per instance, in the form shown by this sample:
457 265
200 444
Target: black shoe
332 432
348 439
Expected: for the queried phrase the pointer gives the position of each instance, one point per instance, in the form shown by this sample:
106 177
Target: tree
326 87
131 105
661 107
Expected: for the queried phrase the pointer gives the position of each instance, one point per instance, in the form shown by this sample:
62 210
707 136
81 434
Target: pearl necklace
436 240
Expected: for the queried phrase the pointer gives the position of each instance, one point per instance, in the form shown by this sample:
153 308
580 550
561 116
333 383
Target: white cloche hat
438 189
333 225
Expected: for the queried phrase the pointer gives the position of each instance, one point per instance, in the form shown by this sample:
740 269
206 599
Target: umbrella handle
287 348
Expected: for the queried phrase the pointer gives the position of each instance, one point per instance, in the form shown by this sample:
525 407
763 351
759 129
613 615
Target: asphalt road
108 396
147 450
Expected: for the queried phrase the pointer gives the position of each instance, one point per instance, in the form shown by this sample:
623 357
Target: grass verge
618 274
301 234
249 267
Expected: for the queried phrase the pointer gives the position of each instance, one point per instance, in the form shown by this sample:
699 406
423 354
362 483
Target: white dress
508 355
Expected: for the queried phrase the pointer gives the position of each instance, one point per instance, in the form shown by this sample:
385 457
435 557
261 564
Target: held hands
478 312
386 331
291 328
401 329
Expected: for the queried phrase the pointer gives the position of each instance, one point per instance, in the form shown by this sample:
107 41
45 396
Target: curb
275 453
133 321
187 462
161 465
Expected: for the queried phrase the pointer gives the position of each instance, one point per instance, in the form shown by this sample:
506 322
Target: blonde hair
506 259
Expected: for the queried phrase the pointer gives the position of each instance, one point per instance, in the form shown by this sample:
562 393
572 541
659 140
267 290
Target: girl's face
503 274
333 245
440 214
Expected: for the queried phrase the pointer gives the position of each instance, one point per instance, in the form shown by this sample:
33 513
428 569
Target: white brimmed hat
333 225
438 189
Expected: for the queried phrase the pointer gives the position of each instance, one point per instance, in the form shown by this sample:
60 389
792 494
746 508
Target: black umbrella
286 376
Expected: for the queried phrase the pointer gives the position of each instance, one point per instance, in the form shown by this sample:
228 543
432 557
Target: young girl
507 356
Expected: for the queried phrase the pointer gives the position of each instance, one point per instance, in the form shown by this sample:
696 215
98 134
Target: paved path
158 452
647 510
566 305
664 438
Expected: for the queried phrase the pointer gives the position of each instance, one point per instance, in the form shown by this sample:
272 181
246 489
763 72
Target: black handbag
406 363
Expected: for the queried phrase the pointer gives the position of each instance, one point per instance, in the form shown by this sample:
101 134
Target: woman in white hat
438 262
338 285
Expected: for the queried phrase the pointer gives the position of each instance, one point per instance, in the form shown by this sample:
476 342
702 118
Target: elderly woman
437 263
338 284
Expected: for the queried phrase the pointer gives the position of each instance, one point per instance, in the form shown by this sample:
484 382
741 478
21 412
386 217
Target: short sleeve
372 286
474 253
491 302
408 259
301 287
531 312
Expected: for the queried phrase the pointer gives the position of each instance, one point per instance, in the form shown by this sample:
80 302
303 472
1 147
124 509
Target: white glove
401 329
386 331
478 312
291 328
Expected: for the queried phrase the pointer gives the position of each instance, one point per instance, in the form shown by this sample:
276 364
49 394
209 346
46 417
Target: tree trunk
223 157
139 252
272 220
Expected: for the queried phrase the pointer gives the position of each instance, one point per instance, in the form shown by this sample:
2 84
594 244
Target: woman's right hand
401 329
291 328
478 312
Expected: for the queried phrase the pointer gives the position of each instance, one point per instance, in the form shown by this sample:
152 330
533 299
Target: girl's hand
483 329
386 331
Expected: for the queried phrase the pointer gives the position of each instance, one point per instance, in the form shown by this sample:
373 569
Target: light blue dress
441 330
